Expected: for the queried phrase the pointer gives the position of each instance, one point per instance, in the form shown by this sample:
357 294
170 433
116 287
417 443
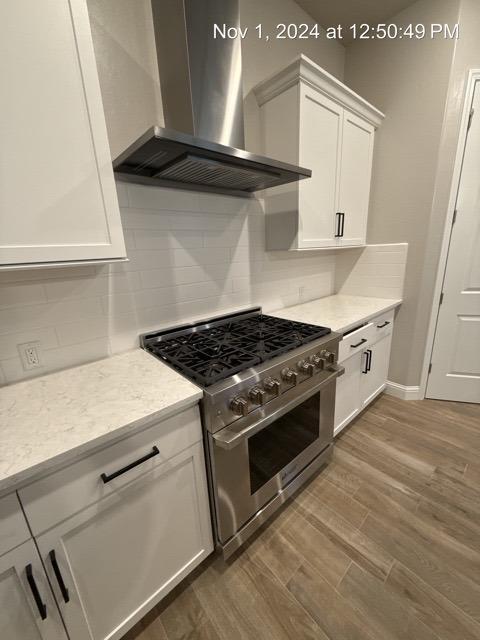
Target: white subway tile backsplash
191 255
77 332
376 270
19 294
9 341
48 314
59 358
148 239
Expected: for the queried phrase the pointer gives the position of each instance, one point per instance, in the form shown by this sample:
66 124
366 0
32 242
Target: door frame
473 77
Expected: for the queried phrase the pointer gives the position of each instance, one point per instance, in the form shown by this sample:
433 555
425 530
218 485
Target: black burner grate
209 355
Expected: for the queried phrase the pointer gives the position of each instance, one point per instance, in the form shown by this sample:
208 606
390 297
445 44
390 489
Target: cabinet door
347 399
20 615
320 140
57 192
373 379
119 557
355 175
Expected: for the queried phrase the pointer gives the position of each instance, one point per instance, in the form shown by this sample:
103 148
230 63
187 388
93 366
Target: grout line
364 519
343 575
389 571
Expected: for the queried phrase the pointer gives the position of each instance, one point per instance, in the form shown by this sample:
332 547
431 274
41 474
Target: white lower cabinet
120 556
119 529
365 371
376 361
27 608
348 390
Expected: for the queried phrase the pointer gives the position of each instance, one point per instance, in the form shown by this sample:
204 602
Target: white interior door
320 143
455 372
355 176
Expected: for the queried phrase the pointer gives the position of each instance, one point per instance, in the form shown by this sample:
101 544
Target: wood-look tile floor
383 544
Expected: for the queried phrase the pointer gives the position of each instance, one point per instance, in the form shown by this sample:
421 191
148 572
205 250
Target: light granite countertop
49 420
340 312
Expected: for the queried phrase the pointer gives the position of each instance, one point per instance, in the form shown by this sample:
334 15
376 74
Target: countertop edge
368 317
16 481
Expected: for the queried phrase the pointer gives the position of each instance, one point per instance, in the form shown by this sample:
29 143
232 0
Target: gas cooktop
209 352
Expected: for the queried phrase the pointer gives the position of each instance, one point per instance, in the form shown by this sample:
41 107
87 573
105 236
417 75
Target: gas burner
209 354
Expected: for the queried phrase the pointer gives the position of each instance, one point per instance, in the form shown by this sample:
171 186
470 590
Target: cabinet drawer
355 341
383 325
13 526
68 491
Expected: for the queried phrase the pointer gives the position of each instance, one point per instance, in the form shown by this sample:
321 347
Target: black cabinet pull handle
338 234
369 363
154 452
380 326
42 608
368 360
362 341
343 225
58 575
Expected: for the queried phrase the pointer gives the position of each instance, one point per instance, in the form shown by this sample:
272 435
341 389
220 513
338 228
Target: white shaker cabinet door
374 369
27 608
118 557
355 177
347 398
320 144
57 192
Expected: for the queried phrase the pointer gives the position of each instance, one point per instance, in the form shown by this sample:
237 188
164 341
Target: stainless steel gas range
267 409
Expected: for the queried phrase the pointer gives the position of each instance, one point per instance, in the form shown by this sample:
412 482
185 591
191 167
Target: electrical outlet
30 355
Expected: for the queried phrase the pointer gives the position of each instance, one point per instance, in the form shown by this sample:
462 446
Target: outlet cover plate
30 355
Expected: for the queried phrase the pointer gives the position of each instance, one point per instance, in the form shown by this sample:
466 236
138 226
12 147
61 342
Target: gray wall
409 81
126 60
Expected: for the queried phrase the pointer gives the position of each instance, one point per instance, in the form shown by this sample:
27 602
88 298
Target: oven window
271 449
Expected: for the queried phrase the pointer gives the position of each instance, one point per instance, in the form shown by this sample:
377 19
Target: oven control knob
306 367
272 384
257 395
328 356
317 361
239 406
289 375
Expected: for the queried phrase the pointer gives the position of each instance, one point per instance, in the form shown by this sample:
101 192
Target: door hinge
470 118
430 368
441 299
454 217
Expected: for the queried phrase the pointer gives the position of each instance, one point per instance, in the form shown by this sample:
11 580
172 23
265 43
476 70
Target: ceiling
347 12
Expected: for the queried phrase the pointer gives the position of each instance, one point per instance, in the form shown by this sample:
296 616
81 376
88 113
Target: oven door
253 460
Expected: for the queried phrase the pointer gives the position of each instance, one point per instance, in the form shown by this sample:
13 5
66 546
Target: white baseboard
403 392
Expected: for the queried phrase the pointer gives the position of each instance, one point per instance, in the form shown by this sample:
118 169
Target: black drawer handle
42 608
362 341
58 575
154 452
380 326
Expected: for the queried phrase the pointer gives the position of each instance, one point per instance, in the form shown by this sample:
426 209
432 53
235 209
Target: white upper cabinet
311 119
58 202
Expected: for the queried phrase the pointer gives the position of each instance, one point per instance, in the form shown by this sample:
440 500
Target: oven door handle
229 438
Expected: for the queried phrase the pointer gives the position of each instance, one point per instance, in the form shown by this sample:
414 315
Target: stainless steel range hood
201 83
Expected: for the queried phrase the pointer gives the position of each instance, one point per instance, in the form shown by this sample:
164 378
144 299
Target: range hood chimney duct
200 76
202 94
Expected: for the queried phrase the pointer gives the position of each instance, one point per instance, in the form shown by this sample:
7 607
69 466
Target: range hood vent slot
203 171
